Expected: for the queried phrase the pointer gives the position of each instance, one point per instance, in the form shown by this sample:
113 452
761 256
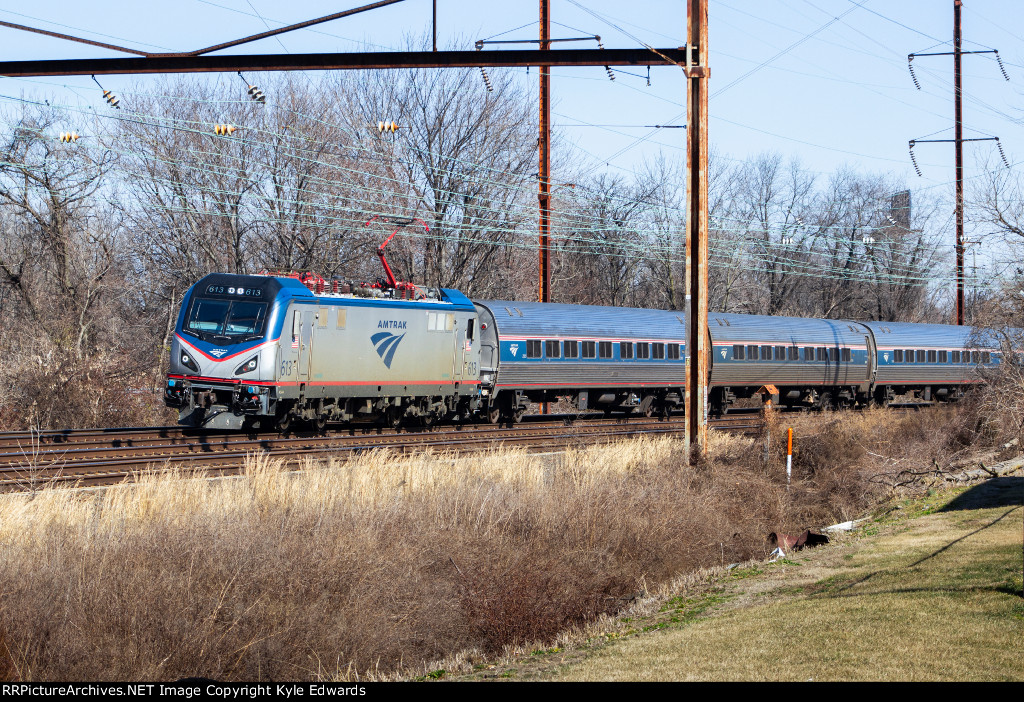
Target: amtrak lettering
390 324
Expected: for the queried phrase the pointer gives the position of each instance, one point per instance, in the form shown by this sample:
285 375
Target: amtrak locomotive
269 350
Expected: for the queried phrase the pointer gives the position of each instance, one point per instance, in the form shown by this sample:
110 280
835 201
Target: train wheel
284 422
493 415
825 401
393 418
517 415
320 423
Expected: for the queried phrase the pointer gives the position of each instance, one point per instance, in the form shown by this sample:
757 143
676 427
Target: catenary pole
696 277
959 146
544 165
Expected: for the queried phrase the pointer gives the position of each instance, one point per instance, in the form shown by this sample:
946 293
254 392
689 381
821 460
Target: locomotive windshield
233 321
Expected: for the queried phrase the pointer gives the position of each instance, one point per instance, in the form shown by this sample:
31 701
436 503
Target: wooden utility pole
696 278
958 138
958 141
544 166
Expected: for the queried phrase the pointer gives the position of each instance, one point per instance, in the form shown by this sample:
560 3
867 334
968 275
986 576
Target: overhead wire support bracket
911 57
999 145
479 44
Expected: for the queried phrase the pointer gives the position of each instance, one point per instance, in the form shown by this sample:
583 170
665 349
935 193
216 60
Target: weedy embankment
382 565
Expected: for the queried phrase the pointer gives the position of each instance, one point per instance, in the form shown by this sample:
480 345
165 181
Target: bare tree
462 160
776 198
57 246
604 244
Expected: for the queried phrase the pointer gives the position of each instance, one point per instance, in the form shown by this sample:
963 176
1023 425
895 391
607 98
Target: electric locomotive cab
221 366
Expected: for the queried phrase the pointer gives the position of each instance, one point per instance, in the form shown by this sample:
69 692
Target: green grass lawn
932 595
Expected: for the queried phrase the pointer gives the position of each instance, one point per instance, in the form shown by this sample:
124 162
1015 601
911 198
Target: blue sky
829 85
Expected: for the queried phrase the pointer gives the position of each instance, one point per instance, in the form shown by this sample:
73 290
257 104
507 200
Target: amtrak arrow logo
514 348
218 352
723 353
886 357
386 344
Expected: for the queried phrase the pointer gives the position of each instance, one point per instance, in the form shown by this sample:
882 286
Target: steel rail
93 469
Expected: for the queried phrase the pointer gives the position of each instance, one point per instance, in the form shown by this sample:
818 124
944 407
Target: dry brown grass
385 564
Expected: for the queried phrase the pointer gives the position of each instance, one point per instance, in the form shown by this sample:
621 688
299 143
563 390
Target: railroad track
103 456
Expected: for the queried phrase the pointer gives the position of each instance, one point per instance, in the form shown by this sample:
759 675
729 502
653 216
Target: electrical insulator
387 127
1001 66
1002 154
487 79
607 69
224 129
256 94
112 99
914 160
69 137
910 65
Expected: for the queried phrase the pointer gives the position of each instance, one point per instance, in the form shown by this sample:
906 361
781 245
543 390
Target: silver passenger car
813 362
609 358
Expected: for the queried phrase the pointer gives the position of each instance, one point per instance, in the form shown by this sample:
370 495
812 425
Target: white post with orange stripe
789 455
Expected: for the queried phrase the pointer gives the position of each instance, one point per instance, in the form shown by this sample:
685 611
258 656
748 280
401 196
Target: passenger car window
533 348
737 352
751 352
552 348
897 356
589 349
658 351
932 356
794 353
920 355
604 349
673 351
571 348
943 357
956 357
643 350
847 356
626 349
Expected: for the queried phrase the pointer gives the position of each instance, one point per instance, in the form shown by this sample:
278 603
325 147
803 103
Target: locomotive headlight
189 362
248 366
